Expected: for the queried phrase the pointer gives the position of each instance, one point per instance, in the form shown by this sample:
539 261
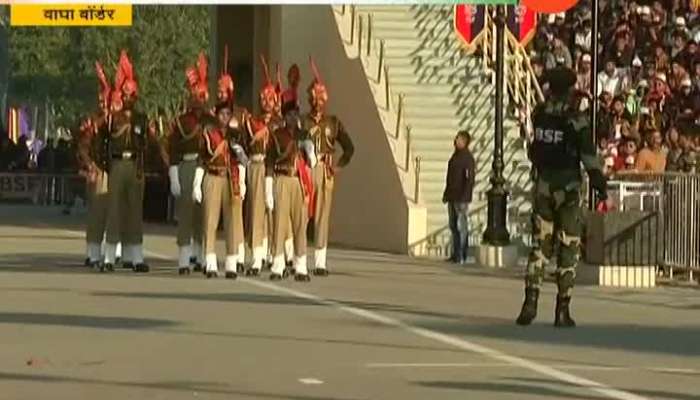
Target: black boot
183 271
231 275
127 265
529 310
276 277
141 267
562 316
88 263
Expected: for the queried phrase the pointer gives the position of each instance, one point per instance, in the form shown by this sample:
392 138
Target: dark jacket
461 171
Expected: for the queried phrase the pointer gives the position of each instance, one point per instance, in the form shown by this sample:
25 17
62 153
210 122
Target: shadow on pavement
277 300
314 340
83 321
677 340
61 262
655 394
505 386
179 386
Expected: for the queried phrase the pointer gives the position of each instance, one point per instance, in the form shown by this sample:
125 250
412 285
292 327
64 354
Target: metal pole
496 233
594 91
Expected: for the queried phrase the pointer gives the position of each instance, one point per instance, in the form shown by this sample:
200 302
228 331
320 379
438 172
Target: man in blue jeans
459 186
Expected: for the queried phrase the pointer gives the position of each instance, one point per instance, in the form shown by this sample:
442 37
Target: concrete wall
370 210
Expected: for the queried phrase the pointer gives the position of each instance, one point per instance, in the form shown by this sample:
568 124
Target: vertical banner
469 21
522 22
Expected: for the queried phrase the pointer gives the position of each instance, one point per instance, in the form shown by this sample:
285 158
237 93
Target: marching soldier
292 194
185 145
325 131
239 123
219 184
124 141
562 141
89 160
260 131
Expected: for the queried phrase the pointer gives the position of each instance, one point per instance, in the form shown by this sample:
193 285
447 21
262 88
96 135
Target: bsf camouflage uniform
561 143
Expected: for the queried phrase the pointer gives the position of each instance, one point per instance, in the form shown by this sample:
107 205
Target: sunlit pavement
379 327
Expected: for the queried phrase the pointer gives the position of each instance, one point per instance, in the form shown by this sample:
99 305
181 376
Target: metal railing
372 53
674 201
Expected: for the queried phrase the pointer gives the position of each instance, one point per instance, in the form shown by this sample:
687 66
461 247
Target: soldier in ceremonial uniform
185 142
325 131
239 123
562 142
125 136
290 195
89 162
219 184
261 128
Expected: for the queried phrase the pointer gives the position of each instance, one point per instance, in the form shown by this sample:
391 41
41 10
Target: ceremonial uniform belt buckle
190 157
126 155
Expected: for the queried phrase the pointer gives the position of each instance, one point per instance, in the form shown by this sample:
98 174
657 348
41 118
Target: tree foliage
58 64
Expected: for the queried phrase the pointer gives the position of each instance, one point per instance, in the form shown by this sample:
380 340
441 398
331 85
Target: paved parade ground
380 327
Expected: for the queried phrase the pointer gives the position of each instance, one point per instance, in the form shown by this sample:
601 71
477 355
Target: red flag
469 21
522 23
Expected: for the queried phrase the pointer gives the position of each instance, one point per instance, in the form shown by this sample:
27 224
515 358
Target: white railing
358 28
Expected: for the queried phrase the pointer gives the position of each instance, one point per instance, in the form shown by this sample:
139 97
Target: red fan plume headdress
317 89
225 82
268 92
105 89
130 86
197 78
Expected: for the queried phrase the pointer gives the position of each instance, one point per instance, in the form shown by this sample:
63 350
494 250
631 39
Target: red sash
307 184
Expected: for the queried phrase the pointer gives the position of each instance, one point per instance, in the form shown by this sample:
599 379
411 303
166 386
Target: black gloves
599 183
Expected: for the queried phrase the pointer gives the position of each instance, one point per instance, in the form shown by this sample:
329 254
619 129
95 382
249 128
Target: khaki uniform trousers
189 212
217 196
97 202
290 215
323 186
125 204
257 216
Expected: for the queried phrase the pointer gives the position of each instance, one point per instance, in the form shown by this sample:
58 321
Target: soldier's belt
257 158
216 171
286 171
190 157
126 155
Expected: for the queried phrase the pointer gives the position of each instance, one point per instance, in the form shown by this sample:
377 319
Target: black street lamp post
496 233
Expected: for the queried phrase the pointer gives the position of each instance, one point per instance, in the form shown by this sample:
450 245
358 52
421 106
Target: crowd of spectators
55 156
648 84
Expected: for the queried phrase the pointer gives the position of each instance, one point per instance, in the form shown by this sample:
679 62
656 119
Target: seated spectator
7 153
583 76
20 159
661 59
685 99
610 80
679 41
620 123
678 75
696 76
689 56
688 160
582 37
626 158
621 52
652 158
674 150
636 74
